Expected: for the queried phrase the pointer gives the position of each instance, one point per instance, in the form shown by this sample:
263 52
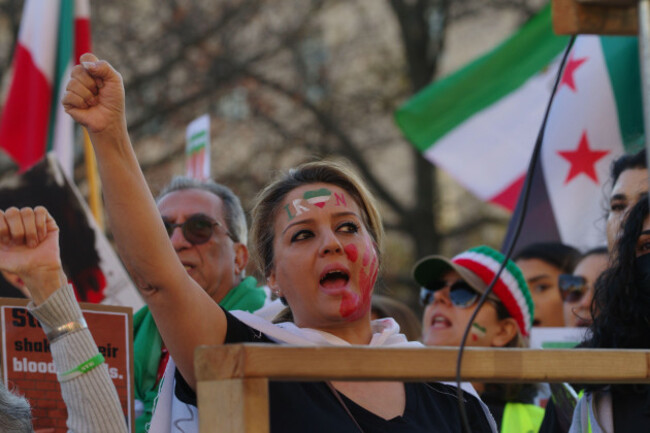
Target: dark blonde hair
269 202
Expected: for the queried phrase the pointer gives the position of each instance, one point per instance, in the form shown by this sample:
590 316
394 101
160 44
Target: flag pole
94 195
644 60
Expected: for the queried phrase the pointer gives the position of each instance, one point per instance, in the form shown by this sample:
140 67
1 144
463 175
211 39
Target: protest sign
197 148
28 369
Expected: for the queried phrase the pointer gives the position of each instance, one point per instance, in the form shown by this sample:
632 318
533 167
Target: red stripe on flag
500 289
25 116
509 196
82 38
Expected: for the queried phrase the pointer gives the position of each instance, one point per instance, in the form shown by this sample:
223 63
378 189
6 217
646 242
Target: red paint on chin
352 252
349 305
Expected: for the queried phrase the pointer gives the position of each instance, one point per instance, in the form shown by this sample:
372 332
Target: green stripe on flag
197 135
622 59
63 59
445 104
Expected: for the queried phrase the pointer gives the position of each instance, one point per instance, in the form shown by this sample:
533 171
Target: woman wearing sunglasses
317 237
577 289
450 291
542 263
622 301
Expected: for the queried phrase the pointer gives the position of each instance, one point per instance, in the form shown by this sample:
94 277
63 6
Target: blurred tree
286 81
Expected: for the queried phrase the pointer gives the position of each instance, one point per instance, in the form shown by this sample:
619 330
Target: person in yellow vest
450 291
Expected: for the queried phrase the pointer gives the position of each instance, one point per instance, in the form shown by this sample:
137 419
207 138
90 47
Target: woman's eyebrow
305 221
346 213
617 197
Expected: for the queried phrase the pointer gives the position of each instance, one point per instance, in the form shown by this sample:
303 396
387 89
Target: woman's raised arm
95 98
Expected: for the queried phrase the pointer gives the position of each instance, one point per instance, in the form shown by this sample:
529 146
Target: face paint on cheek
477 331
352 252
354 306
366 284
369 252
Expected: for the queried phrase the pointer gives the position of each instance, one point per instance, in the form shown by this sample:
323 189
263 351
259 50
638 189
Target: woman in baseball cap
450 290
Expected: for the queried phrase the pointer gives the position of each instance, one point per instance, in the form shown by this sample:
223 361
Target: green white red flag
53 34
480 125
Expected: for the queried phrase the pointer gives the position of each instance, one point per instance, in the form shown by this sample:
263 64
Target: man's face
216 265
627 190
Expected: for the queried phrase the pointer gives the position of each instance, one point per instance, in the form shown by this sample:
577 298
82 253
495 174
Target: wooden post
233 406
604 17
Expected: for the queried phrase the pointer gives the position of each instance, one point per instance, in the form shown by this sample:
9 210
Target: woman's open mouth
334 280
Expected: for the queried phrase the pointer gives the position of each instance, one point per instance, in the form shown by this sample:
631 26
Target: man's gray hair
233 212
15 413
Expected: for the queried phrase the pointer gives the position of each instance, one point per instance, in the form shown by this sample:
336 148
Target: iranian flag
53 34
480 125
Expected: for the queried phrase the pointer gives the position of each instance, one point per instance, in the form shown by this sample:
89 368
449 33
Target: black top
312 407
631 408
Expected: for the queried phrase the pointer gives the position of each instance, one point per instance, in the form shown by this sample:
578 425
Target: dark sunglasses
197 229
572 287
461 294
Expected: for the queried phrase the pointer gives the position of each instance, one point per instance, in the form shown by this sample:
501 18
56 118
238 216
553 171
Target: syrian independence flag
480 125
53 34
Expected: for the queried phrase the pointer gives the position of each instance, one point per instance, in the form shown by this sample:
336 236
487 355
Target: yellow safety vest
521 418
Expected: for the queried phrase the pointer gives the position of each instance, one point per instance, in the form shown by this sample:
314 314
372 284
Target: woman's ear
506 330
273 284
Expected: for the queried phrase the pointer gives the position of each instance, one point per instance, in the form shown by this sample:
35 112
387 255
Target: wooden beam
233 406
420 364
604 17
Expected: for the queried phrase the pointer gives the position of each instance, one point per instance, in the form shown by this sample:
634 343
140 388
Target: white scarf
184 417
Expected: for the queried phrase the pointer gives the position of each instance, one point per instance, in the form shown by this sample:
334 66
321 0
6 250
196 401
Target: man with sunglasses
207 227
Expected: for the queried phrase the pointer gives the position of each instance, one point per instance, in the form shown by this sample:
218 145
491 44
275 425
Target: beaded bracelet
70 327
82 368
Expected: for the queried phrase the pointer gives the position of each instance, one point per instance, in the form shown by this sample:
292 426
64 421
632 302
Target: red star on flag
582 160
571 66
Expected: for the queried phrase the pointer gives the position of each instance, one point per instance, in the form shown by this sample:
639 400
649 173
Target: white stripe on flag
491 150
591 108
39 32
63 136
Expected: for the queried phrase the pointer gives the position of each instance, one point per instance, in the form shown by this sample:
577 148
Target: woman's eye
349 227
301 235
540 288
617 206
644 245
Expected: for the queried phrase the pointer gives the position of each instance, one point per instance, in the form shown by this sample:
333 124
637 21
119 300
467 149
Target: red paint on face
349 305
352 252
354 306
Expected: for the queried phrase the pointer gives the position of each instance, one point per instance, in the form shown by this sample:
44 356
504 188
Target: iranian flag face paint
477 332
326 263
318 198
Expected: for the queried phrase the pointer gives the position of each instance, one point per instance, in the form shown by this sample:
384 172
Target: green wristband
82 368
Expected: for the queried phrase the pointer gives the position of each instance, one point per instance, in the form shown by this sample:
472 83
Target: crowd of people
317 238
